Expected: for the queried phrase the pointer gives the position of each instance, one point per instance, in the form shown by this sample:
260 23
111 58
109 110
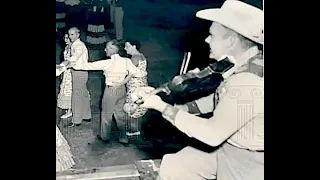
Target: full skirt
64 158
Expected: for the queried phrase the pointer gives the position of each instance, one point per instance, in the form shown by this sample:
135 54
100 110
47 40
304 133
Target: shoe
87 120
134 133
99 137
65 116
71 124
124 141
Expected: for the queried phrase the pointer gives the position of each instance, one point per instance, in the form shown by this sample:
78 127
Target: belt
110 86
79 70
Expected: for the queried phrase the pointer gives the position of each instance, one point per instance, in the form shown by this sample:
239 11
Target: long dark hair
122 45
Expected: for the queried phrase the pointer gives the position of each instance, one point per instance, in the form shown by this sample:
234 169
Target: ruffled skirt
64 159
64 96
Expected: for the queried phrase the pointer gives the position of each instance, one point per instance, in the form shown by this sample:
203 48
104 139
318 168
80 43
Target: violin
194 85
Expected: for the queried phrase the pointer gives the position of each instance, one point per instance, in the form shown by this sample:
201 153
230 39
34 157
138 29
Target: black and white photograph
159 89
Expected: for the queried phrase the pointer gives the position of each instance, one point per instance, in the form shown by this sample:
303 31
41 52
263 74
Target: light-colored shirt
79 54
205 104
115 69
58 72
239 116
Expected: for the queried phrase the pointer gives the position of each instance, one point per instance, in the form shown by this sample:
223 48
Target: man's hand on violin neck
148 98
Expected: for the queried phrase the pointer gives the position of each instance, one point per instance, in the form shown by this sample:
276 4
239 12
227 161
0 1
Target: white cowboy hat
243 18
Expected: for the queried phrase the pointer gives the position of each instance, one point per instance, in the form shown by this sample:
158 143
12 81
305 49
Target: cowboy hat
238 16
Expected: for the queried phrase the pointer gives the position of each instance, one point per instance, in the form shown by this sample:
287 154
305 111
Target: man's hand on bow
195 71
150 101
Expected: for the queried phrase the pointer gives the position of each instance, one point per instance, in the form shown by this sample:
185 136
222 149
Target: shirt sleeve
97 65
78 51
205 104
228 117
132 69
59 71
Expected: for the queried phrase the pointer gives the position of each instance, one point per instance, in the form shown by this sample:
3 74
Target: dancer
64 96
64 158
115 70
80 97
132 83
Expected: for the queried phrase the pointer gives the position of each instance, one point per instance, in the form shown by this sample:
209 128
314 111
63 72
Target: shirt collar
115 56
243 60
76 40
247 55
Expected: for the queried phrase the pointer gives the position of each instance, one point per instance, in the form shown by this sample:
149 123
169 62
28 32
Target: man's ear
232 40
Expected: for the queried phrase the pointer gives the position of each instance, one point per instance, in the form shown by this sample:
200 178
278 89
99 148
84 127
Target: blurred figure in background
116 15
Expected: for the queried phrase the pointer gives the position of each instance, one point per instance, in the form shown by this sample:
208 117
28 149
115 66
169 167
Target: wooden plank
126 172
148 169
140 170
152 164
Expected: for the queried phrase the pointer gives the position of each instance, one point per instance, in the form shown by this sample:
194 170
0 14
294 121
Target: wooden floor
146 169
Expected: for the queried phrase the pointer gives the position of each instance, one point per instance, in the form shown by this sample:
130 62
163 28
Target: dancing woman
64 158
64 96
134 112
